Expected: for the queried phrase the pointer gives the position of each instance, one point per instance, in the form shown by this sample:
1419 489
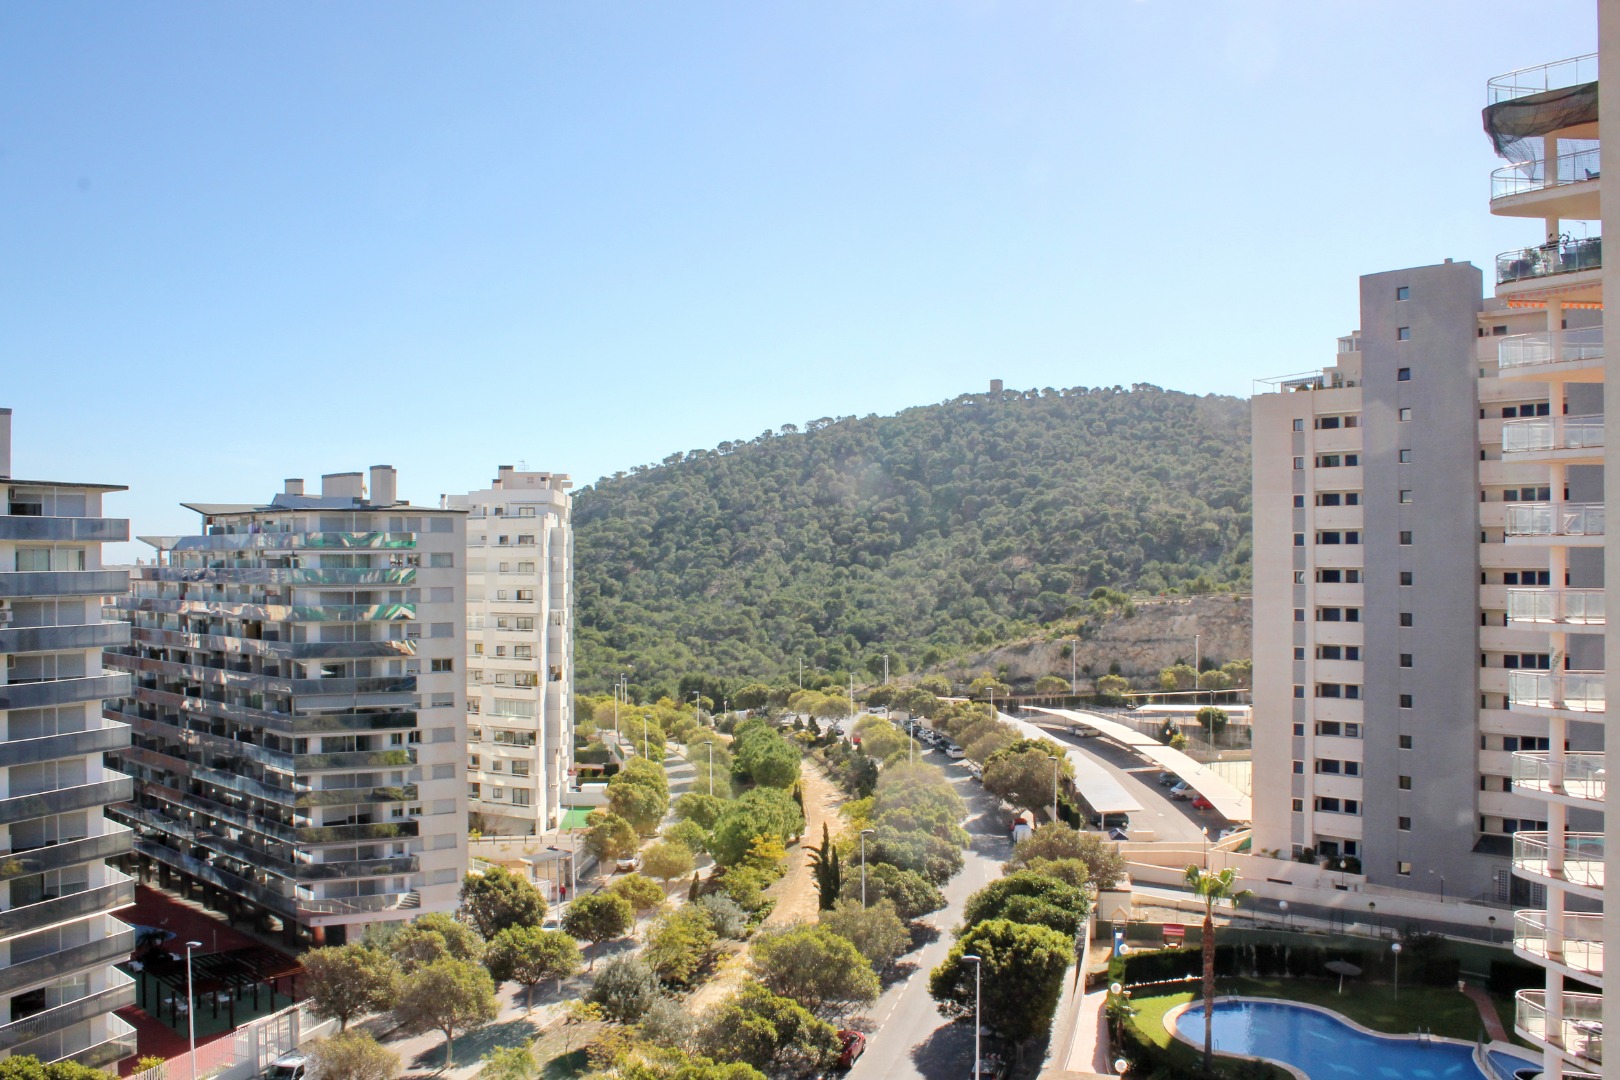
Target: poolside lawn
1440 1010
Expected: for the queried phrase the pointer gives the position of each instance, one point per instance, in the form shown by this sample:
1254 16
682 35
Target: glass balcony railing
1530 350
104 736
1579 863
58 909
64 583
1526 176
1577 1029
1544 433
87 530
66 800
1580 776
1548 260
352 905
1576 607
1572 691
1579 945
26 862
286 541
111 949
256 575
1554 519
1543 77
120 994
27 639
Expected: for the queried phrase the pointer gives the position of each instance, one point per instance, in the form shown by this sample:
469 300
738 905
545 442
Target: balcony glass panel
37 695
107 736
1583 607
112 949
1543 433
64 583
1529 350
88 530
28 861
1580 776
1548 260
1575 691
1555 519
18 920
26 639
120 994
1579 945
1578 1031
64 800
1526 176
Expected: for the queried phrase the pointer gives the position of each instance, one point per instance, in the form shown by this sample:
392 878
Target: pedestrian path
1487 1012
1088 1051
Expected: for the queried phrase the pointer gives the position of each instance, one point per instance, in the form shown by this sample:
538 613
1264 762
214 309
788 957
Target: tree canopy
940 527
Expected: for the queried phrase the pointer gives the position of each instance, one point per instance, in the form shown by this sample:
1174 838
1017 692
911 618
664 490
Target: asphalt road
1167 818
906 1035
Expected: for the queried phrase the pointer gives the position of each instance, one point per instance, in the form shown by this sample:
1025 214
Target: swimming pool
1324 1046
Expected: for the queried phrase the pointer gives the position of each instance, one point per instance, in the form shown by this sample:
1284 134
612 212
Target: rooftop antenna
523 466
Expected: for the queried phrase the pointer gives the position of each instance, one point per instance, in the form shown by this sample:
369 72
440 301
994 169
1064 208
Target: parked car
628 866
853 1045
954 751
1201 803
1168 778
1181 791
1231 830
287 1067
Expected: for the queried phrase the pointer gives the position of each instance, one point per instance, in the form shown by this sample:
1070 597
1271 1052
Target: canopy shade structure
1095 784
1509 123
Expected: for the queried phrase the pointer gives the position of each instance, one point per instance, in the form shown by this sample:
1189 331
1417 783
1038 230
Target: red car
854 1045
1201 803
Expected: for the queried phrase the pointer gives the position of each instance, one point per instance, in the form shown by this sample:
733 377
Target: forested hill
915 535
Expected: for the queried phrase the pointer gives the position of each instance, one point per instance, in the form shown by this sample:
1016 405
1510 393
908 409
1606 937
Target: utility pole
801 673
885 669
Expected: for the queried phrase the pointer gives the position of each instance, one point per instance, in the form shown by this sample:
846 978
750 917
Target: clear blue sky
246 241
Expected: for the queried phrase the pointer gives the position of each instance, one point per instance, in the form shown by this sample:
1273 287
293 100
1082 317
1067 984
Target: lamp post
1205 830
885 669
191 1007
978 1023
1282 906
711 769
1492 920
864 833
1372 915
1055 764
1395 947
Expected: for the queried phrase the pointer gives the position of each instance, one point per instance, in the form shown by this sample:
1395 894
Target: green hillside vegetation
916 535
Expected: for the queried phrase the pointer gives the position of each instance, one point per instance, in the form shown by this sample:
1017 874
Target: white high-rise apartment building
58 937
520 650
298 711
1431 650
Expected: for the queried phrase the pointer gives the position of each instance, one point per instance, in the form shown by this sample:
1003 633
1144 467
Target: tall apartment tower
58 937
298 713
520 649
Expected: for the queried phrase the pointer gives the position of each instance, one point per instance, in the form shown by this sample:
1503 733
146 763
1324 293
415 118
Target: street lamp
1492 920
711 769
1205 830
1055 764
864 834
1282 906
1372 915
1395 947
191 1007
978 1023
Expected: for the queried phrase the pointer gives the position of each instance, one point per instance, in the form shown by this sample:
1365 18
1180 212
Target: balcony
1579 864
1578 521
97 901
1578 947
1574 776
1570 607
64 583
1539 356
87 530
37 695
120 994
1551 260
111 949
1566 691
66 800
1553 438
1577 1033
104 736
28 639
1526 82
1568 190
24 862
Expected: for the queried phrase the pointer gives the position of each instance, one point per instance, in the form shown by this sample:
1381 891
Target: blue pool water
1326 1048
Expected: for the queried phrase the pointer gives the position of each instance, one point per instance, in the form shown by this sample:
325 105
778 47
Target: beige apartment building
520 650
58 937
1431 655
298 711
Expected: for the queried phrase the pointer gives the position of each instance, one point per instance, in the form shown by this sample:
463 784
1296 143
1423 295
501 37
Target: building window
1406 577
1299 691
445 664
441 558
1403 292
525 594
1299 614
522 797
1403 375
1406 659
1299 463
1299 539
1404 783
1299 767
1299 501
1406 495
1403 868
1299 729
1405 416
1406 457
1403 333
1406 701
1406 618
1406 537
1299 425
1404 824
1299 806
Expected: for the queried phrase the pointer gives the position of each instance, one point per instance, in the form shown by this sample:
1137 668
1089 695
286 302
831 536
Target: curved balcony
118 995
1577 948
1577 1033
1540 78
1574 777
1578 866
1550 260
1553 438
1568 190
1580 524
1563 691
1540 357
20 920
1571 607
54 965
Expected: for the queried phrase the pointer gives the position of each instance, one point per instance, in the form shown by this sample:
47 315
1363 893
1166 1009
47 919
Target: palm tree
1212 888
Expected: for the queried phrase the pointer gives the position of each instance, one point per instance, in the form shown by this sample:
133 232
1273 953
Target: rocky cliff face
1160 633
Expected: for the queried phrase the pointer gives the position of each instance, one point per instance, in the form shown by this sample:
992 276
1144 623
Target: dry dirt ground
797 899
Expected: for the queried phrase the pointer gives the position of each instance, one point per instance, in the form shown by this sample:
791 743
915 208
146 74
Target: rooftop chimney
384 485
5 444
294 486
342 485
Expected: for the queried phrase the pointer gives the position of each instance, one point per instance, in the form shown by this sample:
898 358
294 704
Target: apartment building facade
58 934
298 708
520 650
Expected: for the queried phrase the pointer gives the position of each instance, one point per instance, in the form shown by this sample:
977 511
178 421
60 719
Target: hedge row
1264 960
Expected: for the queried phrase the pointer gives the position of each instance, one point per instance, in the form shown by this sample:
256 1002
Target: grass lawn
1149 1018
